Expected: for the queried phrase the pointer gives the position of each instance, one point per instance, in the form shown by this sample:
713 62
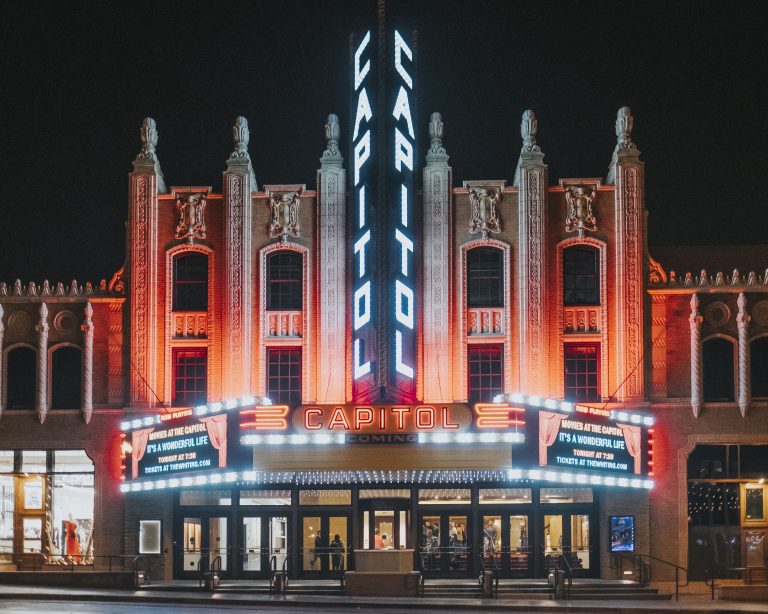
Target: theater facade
387 357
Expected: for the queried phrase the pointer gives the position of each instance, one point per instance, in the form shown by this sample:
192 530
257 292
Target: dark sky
78 77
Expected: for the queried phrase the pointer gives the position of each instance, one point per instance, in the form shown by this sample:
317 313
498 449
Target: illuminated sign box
180 443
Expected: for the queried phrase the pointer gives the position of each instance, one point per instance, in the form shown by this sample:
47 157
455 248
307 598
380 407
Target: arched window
21 378
485 277
581 276
718 370
190 282
758 357
66 382
284 280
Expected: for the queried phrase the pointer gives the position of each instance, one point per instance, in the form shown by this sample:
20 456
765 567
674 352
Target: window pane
325 497
385 493
718 370
754 461
205 497
713 504
190 282
485 270
149 536
444 496
284 376
6 461
21 378
713 461
582 370
190 386
73 497
6 514
72 461
754 504
284 275
33 461
265 497
66 375
566 495
505 495
581 276
758 356
485 372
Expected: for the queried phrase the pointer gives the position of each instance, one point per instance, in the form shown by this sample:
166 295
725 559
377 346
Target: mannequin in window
71 539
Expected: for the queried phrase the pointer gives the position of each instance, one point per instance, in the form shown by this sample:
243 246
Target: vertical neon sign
384 290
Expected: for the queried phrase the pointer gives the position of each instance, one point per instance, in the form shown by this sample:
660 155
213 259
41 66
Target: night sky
76 79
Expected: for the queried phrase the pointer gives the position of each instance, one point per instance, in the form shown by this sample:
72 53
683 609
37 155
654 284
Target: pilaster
146 182
627 172
531 180
87 328
695 321
332 258
436 363
239 182
742 322
41 405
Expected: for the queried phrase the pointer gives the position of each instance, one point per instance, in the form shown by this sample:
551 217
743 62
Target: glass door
262 538
505 543
568 535
204 538
324 544
444 549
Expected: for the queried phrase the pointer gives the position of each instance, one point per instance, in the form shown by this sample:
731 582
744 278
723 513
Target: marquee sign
587 440
182 443
384 297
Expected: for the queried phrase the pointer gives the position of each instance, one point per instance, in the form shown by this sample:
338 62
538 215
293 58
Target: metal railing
641 565
713 573
489 562
273 567
138 564
433 558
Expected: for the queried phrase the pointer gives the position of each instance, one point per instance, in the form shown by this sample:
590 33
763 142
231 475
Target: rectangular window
565 495
150 532
205 497
325 497
265 497
190 282
190 377
485 372
495 496
582 372
284 376
284 275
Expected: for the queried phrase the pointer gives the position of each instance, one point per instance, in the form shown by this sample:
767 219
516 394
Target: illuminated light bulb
517 397
215 406
609 481
216 479
648 484
595 480
499 398
266 401
464 438
124 426
248 400
201 410
231 403
648 421
136 423
440 438
534 400
550 403
230 477
423 438
174 482
566 406
125 487
161 484
550 476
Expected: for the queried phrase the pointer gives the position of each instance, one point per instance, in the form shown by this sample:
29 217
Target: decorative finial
332 135
241 136
436 130
624 124
528 129
148 139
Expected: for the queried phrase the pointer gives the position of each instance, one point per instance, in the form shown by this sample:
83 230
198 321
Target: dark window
581 276
753 461
190 377
66 376
485 372
714 534
718 370
582 372
21 378
190 282
714 461
758 358
485 277
284 274
284 376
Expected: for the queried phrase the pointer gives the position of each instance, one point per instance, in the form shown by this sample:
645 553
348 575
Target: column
742 321
146 181
42 363
626 172
531 179
87 329
2 333
436 365
696 366
332 258
239 182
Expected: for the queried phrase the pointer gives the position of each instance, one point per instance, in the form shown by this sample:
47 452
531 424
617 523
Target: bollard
487 584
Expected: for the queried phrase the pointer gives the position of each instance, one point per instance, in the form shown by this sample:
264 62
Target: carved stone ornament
580 216
484 210
529 126
436 129
240 136
147 157
332 135
717 314
284 217
191 210
656 273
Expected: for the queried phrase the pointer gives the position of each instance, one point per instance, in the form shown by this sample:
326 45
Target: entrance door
505 540
384 524
444 547
568 535
204 539
321 553
262 538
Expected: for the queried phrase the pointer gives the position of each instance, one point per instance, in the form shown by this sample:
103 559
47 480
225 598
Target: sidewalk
687 604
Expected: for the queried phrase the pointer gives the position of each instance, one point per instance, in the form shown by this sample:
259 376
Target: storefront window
385 493
33 461
566 495
6 461
490 496
205 497
325 497
754 504
442 496
71 461
714 532
6 512
265 497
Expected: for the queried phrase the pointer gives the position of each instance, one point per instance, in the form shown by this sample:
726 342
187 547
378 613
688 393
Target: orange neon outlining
266 418
495 415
